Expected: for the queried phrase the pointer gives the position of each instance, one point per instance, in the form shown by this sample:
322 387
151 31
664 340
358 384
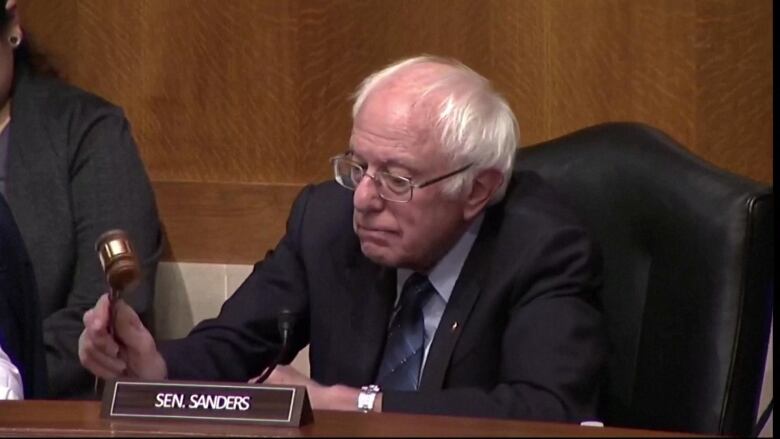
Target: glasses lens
394 188
347 173
390 187
356 173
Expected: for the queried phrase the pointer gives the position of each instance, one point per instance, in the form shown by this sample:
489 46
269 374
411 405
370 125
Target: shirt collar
446 272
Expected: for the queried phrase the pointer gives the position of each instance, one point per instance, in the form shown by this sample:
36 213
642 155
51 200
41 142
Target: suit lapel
468 288
450 327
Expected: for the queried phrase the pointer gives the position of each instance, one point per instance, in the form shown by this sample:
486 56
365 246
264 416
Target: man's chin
378 255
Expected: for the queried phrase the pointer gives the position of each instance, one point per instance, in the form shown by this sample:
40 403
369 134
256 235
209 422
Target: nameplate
207 401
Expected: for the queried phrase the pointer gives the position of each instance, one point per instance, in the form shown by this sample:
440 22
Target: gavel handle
113 296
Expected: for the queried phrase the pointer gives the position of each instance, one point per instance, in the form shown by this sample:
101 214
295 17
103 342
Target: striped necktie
402 360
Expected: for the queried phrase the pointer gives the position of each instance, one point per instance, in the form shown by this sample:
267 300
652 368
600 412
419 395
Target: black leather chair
689 275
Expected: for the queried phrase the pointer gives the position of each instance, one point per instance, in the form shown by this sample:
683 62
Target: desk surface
82 418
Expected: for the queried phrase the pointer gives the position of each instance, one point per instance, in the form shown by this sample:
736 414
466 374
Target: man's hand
336 397
130 352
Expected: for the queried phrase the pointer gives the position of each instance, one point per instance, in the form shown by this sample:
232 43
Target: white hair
472 122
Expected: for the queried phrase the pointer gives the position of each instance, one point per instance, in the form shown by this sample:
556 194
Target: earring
14 40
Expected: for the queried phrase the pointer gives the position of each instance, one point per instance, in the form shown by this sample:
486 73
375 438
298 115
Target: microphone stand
285 323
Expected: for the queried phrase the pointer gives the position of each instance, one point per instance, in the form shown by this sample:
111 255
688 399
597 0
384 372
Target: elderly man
445 283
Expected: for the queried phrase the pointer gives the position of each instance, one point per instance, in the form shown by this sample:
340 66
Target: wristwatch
365 402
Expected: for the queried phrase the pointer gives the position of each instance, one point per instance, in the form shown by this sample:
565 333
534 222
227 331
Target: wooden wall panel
608 64
258 91
734 123
228 223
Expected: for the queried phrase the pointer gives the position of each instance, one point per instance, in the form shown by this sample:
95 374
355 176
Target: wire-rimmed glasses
391 187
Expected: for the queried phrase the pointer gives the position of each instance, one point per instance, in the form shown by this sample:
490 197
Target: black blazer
530 342
20 322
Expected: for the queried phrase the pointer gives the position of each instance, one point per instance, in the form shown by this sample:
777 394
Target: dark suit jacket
74 173
20 321
529 343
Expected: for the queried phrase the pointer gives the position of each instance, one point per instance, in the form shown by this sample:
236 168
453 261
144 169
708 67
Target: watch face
366 398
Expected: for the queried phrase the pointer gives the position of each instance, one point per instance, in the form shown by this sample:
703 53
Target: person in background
69 170
22 362
428 278
10 379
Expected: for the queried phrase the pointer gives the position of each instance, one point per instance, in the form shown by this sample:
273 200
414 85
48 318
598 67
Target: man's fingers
129 349
101 307
286 375
126 315
95 333
97 361
130 331
114 365
96 318
105 366
104 372
101 341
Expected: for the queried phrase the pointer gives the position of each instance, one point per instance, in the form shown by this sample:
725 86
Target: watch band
366 398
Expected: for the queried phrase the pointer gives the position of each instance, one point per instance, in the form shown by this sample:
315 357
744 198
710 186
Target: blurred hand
335 397
130 352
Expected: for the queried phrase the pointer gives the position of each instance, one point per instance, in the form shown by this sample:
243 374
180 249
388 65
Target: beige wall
188 293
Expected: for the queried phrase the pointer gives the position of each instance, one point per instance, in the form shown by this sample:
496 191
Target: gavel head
118 260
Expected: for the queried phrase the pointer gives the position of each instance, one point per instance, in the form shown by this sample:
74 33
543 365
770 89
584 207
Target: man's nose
366 196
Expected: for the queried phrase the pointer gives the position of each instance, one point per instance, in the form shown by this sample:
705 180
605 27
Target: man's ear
486 183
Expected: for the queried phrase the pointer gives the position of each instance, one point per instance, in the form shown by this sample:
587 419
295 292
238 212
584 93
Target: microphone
285 322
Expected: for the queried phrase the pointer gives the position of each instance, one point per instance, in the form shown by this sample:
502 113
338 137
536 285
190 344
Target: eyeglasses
349 174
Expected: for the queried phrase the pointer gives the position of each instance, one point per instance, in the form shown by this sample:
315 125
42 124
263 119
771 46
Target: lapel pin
454 327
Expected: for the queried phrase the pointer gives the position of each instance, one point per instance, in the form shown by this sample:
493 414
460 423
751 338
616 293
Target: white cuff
10 379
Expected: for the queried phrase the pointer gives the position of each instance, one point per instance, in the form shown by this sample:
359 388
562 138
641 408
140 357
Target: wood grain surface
82 418
258 91
227 223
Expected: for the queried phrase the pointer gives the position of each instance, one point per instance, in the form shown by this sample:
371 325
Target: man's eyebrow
391 162
401 164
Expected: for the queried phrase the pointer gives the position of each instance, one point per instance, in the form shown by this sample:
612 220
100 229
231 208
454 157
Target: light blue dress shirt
443 277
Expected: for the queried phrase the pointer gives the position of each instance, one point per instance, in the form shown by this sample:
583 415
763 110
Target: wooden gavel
120 265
